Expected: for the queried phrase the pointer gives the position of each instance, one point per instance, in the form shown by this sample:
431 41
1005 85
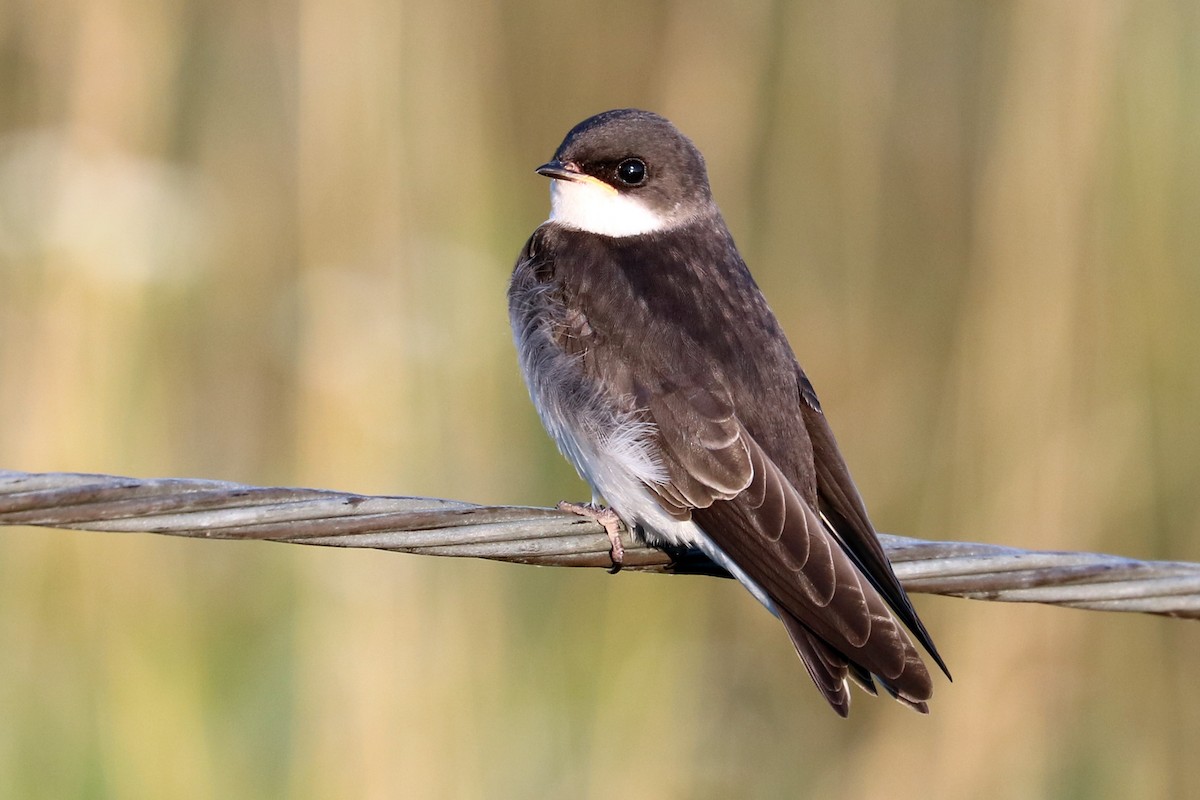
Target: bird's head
626 173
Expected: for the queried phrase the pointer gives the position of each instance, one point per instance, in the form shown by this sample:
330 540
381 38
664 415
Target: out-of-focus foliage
269 242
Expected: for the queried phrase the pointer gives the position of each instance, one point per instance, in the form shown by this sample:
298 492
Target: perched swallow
657 367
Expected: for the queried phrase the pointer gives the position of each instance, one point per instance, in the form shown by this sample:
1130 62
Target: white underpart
591 205
646 510
620 469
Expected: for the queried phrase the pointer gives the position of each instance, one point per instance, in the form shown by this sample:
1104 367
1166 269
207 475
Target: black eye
631 171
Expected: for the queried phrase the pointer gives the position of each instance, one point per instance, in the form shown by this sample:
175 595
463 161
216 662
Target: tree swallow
659 370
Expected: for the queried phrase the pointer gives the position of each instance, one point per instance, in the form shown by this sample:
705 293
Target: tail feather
827 668
830 669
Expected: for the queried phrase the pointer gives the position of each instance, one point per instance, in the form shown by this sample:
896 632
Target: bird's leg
607 518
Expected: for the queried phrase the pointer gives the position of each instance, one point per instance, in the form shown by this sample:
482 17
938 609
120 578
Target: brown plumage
658 367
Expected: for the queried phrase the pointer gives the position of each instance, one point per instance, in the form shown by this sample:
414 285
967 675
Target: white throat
592 206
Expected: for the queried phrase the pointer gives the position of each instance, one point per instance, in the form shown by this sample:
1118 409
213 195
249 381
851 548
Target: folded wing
721 478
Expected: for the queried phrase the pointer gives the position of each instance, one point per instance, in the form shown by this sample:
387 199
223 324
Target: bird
656 365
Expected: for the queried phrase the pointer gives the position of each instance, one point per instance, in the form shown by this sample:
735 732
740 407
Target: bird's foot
612 526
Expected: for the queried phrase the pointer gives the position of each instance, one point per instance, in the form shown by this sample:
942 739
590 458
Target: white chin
595 208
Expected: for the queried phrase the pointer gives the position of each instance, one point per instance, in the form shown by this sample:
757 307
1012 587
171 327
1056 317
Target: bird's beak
567 171
561 171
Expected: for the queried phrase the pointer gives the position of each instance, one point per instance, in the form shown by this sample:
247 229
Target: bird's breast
597 428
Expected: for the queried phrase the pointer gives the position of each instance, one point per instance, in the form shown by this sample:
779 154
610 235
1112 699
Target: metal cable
547 537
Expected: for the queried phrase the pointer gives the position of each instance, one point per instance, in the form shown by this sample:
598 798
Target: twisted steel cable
548 537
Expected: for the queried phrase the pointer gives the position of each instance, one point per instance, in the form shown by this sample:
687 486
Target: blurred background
269 242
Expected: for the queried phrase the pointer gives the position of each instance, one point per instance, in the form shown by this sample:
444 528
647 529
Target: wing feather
749 509
841 503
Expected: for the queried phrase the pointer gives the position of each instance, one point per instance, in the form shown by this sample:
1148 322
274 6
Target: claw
611 523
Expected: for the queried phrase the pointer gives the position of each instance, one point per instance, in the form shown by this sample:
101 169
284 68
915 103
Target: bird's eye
631 171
